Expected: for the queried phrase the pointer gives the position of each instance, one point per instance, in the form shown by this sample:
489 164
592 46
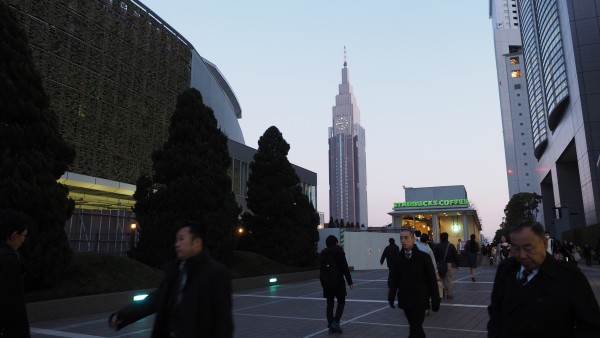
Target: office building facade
561 44
347 159
514 104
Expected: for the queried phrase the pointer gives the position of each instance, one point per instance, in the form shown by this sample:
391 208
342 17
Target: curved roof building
113 70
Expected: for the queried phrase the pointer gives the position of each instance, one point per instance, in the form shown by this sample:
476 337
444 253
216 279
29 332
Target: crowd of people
536 276
565 251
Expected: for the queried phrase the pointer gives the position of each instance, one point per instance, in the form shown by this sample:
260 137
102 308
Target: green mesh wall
112 73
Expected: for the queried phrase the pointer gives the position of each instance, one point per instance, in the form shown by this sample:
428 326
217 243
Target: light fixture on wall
455 226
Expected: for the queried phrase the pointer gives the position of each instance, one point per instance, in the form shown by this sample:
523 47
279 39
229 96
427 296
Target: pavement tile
298 310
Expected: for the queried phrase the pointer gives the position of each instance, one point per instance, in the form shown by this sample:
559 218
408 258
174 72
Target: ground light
139 298
273 280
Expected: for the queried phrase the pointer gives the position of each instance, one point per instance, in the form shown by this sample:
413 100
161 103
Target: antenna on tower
345 62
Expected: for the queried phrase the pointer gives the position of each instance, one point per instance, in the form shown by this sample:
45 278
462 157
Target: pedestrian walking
446 257
471 249
534 295
194 298
413 284
389 253
13 314
334 268
587 254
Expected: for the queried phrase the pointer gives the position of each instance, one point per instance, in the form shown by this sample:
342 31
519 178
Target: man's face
16 240
186 245
527 248
407 239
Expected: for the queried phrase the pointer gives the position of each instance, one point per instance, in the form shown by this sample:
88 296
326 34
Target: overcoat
557 302
413 280
205 309
13 314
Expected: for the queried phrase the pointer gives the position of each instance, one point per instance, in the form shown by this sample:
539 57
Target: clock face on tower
341 124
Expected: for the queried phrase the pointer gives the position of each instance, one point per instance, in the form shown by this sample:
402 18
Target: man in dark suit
194 298
413 283
535 295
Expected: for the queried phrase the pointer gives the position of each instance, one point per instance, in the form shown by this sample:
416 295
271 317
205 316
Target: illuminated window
515 73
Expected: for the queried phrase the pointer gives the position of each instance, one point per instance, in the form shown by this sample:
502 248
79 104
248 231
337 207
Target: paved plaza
298 310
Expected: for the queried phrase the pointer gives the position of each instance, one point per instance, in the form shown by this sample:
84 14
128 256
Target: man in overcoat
535 295
413 283
13 314
194 298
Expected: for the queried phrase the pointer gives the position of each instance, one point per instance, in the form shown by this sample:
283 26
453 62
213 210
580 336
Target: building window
514 60
520 114
518 86
518 94
518 104
527 184
515 73
521 123
524 154
523 145
516 24
522 134
526 174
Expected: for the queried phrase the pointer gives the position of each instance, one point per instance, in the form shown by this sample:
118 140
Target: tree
34 156
282 221
189 183
521 206
330 224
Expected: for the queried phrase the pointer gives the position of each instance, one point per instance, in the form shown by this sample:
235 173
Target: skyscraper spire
345 62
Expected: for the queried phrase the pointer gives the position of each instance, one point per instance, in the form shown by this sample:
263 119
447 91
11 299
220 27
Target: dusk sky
423 74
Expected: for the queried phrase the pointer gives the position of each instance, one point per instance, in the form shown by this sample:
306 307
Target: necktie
524 274
407 254
182 280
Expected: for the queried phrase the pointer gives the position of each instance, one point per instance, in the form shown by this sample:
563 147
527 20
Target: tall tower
347 158
514 104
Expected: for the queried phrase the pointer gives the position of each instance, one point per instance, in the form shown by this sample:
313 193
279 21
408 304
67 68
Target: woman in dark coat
471 249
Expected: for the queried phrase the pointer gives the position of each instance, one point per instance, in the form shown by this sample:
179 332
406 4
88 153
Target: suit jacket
413 281
557 302
13 314
205 308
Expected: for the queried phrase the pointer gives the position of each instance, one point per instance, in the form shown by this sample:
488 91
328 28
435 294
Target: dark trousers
338 311
415 319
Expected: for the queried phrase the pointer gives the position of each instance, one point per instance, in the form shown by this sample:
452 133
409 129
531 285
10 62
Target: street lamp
132 234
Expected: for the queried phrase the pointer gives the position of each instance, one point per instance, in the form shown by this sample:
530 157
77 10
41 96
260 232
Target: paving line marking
61 328
355 300
132 333
347 321
425 327
56 333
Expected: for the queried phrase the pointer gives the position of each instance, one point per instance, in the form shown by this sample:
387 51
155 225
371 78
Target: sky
423 74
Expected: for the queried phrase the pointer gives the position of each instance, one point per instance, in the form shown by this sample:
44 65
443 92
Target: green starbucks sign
432 203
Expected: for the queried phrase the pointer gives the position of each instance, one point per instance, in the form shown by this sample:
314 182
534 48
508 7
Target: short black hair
409 229
11 221
424 238
472 237
331 241
418 233
392 241
444 237
197 230
536 227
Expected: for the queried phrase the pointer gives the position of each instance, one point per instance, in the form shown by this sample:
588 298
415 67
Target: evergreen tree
330 224
521 206
283 222
33 156
190 183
